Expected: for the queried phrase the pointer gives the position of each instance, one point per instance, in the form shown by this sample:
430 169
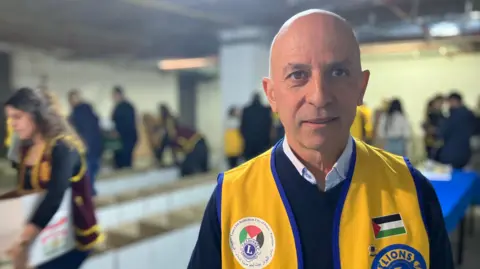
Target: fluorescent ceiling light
190 63
444 29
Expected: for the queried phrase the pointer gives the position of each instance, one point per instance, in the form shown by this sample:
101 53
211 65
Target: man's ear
363 86
267 84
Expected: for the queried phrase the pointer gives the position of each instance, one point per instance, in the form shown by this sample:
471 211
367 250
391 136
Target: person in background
456 132
154 136
477 116
278 131
431 126
362 127
8 133
377 114
394 129
85 121
475 160
256 127
185 141
320 199
51 160
233 139
124 118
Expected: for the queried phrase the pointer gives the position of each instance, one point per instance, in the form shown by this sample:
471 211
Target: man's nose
318 93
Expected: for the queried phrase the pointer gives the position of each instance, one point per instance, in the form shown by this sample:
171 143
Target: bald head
316 80
317 25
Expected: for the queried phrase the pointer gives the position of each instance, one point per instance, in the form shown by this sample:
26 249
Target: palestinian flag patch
386 226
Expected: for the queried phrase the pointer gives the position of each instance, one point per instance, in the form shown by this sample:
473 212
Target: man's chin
314 142
319 141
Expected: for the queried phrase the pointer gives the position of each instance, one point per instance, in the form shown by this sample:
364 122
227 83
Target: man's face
116 97
73 99
316 81
453 103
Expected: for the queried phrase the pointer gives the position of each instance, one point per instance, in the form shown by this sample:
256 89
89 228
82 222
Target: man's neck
319 162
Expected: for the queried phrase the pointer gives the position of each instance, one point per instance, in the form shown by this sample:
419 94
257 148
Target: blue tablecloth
455 196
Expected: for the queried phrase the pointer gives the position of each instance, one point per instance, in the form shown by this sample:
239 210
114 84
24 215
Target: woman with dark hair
52 160
393 128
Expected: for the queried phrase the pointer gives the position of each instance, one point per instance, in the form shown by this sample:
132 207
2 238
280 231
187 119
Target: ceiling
153 29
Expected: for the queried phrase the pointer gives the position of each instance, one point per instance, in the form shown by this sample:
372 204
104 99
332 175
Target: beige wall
143 84
415 79
209 118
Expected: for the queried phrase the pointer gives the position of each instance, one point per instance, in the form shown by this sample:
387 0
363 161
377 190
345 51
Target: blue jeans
93 164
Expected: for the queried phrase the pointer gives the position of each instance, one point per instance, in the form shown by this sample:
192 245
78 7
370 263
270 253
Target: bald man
319 198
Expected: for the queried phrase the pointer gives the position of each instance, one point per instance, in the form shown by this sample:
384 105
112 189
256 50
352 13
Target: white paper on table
435 176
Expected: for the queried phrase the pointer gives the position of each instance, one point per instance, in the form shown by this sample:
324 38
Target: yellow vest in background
368 113
379 222
362 127
233 142
9 133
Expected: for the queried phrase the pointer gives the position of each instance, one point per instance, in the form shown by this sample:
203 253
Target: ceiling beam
180 10
65 34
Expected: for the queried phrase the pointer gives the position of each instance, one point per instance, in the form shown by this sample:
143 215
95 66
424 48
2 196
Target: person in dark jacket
184 140
124 118
456 132
85 121
431 126
256 127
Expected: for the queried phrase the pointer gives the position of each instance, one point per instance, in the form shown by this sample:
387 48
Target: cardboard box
56 239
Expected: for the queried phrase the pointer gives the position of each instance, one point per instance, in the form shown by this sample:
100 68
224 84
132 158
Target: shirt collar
335 176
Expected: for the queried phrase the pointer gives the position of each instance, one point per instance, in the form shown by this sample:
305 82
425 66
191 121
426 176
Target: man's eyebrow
295 66
340 63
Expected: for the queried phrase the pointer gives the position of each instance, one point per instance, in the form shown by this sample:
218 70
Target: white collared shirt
334 177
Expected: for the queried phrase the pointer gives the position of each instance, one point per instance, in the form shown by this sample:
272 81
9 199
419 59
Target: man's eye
339 72
298 75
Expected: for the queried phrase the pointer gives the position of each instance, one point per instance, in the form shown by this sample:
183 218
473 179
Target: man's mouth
320 121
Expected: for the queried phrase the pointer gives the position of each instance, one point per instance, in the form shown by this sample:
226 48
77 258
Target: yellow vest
9 133
233 142
362 127
378 224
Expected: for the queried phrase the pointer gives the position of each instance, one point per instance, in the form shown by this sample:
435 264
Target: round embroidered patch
399 256
252 242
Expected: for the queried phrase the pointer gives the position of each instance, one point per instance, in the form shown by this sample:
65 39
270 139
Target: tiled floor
472 245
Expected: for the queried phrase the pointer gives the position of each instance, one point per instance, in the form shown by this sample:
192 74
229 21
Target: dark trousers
94 164
196 161
233 161
70 260
124 155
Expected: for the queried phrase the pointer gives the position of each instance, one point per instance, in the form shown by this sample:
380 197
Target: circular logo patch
252 242
399 256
